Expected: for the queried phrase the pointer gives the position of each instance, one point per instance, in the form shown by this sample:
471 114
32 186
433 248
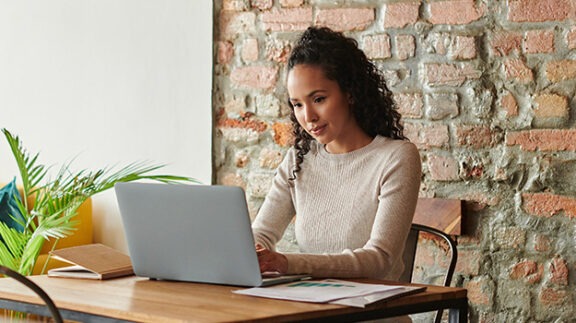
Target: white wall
108 82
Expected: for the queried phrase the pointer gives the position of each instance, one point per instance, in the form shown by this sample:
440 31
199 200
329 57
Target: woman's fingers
271 261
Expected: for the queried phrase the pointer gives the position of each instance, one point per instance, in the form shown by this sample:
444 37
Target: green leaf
12 247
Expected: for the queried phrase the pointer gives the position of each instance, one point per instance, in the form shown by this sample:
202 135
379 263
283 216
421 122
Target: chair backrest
410 254
437 217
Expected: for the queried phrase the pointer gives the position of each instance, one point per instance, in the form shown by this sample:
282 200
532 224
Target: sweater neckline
322 152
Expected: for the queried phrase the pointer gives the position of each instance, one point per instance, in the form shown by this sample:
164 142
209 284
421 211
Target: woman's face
322 108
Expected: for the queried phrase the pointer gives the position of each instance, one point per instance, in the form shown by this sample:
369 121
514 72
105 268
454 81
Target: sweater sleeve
381 256
278 208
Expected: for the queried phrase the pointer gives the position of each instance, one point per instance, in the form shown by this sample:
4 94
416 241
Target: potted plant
47 209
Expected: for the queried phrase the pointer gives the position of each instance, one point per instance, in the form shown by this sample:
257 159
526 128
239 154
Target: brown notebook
92 261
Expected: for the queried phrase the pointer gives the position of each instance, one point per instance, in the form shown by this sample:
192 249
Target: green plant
56 201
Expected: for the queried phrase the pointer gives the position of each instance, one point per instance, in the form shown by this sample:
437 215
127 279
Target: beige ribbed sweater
353 210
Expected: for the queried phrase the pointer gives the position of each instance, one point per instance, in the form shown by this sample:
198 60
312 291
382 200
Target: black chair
410 254
39 291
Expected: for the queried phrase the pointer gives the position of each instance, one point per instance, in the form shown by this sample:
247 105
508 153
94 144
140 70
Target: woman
351 178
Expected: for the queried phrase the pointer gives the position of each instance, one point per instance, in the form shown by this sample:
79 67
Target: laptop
193 233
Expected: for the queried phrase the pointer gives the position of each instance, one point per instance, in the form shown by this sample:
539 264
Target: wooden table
142 300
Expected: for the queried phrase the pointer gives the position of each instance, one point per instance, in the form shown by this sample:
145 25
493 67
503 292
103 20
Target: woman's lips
316 131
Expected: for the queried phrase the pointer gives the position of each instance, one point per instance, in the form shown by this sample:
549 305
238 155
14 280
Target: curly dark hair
342 61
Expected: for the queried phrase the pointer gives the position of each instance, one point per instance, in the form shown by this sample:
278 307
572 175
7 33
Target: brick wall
486 89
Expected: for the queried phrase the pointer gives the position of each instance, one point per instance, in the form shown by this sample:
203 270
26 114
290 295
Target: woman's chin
322 140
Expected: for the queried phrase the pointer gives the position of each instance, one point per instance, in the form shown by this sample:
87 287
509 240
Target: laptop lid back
196 233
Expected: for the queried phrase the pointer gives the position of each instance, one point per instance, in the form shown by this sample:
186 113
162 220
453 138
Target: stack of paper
332 291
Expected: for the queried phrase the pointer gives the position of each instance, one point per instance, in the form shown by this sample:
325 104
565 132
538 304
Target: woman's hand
271 261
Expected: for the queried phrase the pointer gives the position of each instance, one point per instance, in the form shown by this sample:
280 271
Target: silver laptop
195 233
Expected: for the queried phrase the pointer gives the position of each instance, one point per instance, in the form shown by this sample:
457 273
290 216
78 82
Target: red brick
233 23
277 51
559 271
261 4
548 204
509 105
270 159
345 19
291 3
254 77
515 69
571 38
455 12
541 243
250 50
398 15
463 47
476 136
527 270
409 105
551 105
238 5
539 41
233 179
424 256
442 168
477 201
557 71
552 297
425 137
225 52
505 43
405 46
377 46
480 291
473 169
435 136
283 133
543 139
292 19
469 261
450 74
235 106
510 237
411 131
243 122
539 10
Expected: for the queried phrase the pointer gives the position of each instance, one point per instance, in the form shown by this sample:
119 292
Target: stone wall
486 89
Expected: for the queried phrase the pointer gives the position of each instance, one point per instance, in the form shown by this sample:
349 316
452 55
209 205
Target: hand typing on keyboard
271 261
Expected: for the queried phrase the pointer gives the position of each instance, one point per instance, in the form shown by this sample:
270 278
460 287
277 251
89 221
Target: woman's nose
310 115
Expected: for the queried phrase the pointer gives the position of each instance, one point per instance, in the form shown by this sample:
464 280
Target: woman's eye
296 105
319 99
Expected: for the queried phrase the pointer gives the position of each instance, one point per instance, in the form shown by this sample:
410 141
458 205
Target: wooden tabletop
139 299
